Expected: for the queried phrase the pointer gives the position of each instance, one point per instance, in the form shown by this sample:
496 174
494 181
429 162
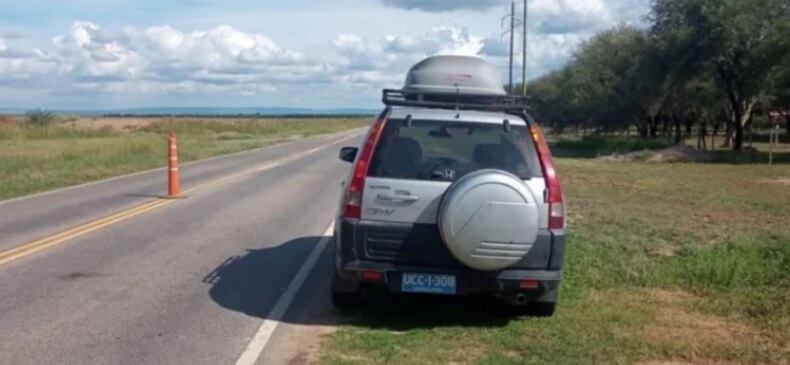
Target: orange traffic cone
173 176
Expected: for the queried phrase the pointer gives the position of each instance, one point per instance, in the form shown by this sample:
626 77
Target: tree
780 92
603 67
737 42
552 99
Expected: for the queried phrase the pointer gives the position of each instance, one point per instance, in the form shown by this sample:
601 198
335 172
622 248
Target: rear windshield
444 151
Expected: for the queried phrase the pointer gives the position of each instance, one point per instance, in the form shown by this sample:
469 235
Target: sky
98 54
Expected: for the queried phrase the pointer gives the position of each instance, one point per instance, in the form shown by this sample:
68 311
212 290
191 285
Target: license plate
428 283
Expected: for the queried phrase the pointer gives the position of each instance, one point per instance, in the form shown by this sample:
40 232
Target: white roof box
454 74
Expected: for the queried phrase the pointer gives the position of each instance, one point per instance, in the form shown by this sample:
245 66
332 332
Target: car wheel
535 309
343 300
541 309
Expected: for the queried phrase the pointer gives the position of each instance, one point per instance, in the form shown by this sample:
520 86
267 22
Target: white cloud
494 47
545 16
223 61
545 52
91 60
383 63
444 5
569 16
20 63
168 60
8 50
441 40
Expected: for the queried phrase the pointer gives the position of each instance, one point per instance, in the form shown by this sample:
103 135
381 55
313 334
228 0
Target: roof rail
445 100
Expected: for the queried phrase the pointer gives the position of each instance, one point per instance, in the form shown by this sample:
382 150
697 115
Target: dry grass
782 181
710 203
115 124
694 337
7 120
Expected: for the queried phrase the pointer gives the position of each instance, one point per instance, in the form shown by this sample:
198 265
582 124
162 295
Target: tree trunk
678 124
642 128
787 121
737 137
653 126
666 130
728 134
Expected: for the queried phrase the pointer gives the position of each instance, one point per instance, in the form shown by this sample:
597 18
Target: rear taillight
553 188
353 197
372 276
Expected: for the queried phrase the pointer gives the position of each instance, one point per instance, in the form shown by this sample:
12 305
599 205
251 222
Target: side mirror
348 154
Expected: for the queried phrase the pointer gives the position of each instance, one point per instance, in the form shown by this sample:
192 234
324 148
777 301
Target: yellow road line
47 242
32 247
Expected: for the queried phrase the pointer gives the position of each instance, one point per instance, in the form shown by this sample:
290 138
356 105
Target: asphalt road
201 280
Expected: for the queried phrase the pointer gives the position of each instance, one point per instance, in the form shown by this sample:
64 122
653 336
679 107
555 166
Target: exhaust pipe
521 298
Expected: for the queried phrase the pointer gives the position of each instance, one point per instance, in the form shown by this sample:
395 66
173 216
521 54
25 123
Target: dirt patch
675 362
665 250
116 124
700 338
302 345
673 323
781 181
671 154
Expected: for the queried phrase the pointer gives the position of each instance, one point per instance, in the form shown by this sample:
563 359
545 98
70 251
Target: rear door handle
397 198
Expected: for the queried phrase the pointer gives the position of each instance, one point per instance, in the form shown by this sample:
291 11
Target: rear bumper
394 249
468 281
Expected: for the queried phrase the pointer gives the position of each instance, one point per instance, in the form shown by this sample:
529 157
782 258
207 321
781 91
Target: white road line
258 342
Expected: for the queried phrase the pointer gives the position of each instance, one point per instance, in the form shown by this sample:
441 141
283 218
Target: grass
667 263
601 145
39 158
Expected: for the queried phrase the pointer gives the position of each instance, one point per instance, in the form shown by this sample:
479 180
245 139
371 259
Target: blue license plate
428 283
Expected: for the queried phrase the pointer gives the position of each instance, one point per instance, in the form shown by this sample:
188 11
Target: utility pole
524 53
512 33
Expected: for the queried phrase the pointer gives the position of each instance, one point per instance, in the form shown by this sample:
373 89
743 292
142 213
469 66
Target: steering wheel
442 169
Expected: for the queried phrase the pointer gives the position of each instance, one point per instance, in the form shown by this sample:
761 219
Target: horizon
243 54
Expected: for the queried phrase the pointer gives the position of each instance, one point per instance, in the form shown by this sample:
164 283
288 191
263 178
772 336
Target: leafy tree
737 42
780 92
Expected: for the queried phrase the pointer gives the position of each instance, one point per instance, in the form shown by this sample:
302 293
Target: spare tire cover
488 219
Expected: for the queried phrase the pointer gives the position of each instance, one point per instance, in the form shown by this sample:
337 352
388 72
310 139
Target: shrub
40 117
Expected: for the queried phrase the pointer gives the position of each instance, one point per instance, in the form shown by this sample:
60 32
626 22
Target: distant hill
208 111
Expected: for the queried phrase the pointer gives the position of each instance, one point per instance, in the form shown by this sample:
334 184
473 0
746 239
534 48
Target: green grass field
677 263
39 158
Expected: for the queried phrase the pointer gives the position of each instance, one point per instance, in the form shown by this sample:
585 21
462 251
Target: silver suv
453 192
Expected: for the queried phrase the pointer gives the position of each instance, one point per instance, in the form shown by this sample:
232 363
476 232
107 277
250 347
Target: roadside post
773 139
173 175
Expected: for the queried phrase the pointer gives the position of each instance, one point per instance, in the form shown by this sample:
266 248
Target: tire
533 309
344 300
542 309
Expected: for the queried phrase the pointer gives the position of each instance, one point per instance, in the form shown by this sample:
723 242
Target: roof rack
457 100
